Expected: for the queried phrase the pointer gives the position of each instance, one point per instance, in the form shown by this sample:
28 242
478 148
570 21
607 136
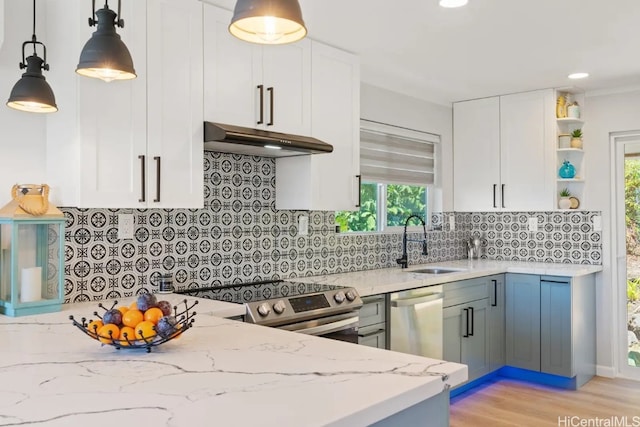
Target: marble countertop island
371 282
220 372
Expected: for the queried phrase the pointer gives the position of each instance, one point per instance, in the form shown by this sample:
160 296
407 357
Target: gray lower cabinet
523 321
372 323
496 329
551 325
466 325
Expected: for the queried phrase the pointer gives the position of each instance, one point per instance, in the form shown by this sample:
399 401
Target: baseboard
605 371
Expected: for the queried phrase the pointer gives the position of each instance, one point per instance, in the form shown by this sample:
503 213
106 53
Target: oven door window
341 327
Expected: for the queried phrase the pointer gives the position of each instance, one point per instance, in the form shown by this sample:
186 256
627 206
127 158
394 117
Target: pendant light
105 56
32 93
268 21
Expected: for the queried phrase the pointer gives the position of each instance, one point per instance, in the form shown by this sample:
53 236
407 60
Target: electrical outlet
125 226
303 225
533 224
597 223
452 222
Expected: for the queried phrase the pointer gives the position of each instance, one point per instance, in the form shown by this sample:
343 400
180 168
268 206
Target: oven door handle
329 327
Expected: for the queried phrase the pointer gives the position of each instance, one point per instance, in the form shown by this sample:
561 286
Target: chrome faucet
404 260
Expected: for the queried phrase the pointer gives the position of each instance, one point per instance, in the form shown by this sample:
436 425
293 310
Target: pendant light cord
33 36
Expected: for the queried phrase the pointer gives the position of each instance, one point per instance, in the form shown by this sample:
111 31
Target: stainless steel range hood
257 142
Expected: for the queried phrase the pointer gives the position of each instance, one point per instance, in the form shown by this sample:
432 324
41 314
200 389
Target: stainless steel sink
435 270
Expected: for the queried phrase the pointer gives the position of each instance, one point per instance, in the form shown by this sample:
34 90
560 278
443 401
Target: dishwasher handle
418 300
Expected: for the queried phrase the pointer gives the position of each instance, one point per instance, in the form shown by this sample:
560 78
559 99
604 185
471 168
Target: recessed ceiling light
578 75
453 3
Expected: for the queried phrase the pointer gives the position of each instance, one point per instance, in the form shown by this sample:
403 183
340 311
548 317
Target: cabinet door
523 321
286 76
327 181
175 123
526 127
232 71
452 331
556 341
94 139
496 329
474 351
476 155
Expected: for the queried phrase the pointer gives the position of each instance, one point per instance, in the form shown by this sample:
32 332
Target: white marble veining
371 282
220 372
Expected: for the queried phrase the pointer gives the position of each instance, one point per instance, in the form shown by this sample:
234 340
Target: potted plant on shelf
576 138
564 202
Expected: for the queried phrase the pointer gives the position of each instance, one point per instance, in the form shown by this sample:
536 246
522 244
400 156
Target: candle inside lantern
31 284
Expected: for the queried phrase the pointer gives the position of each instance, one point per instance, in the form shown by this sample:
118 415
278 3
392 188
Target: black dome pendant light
105 56
268 21
32 93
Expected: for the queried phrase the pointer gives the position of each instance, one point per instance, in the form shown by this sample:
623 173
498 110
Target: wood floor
507 402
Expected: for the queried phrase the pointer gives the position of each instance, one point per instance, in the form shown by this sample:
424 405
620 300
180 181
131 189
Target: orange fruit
153 315
133 305
132 317
123 309
145 330
108 333
94 326
127 335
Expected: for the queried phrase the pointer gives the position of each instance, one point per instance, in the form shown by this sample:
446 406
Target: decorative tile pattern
239 237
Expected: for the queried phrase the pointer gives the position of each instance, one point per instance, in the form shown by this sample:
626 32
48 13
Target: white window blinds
395 155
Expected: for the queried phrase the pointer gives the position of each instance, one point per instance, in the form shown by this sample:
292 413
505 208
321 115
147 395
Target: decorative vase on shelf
567 170
573 110
564 203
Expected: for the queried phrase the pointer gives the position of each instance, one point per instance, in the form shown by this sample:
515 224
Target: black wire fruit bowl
108 328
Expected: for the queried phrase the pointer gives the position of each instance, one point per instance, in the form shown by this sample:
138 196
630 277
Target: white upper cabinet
327 181
266 87
107 140
175 149
503 158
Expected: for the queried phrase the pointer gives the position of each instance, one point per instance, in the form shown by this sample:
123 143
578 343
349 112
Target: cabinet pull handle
271 97
372 333
143 192
359 177
157 159
495 294
494 195
466 329
261 89
502 197
472 319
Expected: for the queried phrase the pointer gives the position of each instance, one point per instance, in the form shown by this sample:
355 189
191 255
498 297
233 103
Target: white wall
604 114
22 135
382 105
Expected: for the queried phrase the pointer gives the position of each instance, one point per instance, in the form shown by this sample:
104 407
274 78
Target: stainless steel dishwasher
415 320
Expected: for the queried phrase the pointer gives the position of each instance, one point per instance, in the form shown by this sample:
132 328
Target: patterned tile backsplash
239 237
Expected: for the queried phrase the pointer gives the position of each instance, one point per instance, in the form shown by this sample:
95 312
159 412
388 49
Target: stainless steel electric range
309 308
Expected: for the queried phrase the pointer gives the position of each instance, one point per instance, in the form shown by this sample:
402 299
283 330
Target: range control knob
263 309
350 295
279 307
339 297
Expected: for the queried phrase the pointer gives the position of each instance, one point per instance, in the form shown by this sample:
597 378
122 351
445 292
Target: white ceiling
486 48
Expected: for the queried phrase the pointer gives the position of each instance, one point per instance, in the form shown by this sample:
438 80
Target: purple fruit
166 307
146 301
113 316
166 326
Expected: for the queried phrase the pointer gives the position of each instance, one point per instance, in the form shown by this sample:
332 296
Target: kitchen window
398 167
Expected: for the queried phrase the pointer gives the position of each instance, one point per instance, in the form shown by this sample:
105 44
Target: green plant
577 133
565 192
633 289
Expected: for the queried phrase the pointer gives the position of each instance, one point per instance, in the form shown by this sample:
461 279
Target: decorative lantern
31 253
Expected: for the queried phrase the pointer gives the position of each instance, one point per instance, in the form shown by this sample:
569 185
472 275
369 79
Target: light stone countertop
372 282
220 372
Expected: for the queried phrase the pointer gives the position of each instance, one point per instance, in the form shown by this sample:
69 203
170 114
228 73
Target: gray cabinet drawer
373 310
465 291
373 336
